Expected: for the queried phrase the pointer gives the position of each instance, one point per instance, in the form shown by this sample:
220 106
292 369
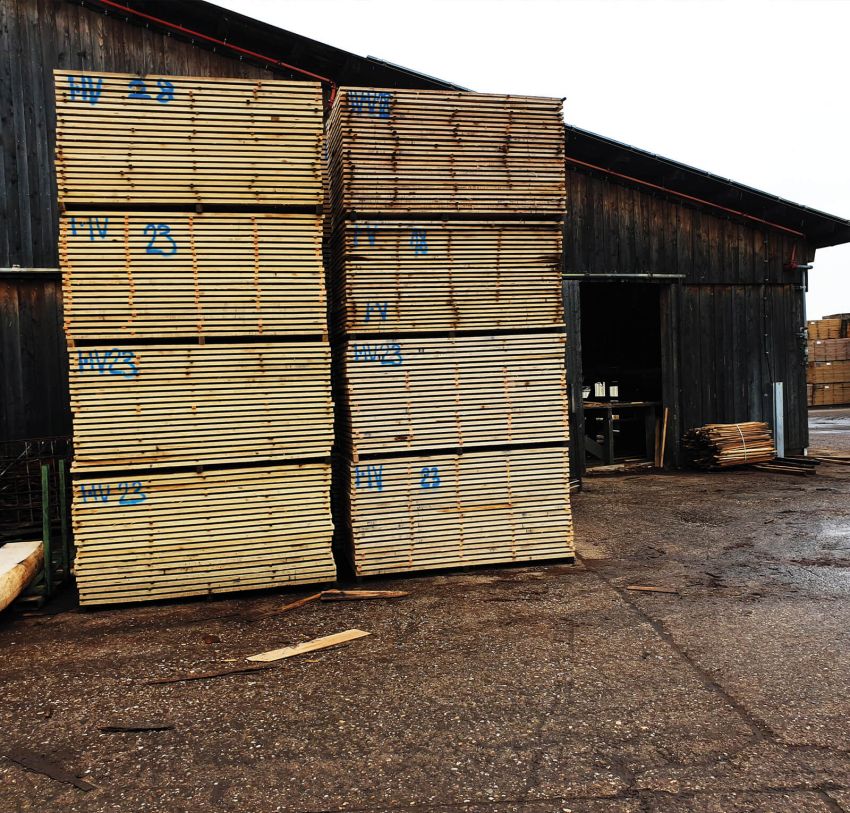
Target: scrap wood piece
39 764
354 595
294 605
138 725
309 646
205 675
645 588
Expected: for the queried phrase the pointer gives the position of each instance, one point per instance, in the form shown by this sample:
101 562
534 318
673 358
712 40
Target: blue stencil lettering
86 88
369 477
430 477
108 362
380 308
156 231
371 102
419 241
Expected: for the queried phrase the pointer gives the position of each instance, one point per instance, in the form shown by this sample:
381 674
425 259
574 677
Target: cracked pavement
517 690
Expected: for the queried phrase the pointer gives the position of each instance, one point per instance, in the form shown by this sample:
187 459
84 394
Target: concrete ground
530 689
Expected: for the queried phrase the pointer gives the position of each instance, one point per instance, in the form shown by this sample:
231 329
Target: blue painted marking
371 233
166 91
130 492
160 230
108 362
369 477
381 308
97 228
138 89
372 102
430 477
387 353
97 492
419 241
86 88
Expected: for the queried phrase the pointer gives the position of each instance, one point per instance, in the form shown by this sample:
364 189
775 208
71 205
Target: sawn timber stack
199 358
448 329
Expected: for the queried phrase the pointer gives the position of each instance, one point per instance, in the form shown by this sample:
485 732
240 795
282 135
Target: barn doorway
621 370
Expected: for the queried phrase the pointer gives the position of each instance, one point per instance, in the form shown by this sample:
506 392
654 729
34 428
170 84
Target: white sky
752 90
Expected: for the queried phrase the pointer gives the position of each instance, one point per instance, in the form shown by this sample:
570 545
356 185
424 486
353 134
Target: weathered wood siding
739 313
37 36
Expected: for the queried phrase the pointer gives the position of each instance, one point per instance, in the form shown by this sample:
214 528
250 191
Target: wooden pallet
169 140
391 275
449 510
144 407
155 535
414 394
393 151
158 274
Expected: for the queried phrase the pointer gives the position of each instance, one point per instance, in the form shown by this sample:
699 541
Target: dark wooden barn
684 290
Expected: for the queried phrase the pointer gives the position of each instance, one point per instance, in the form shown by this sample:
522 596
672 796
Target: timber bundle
198 338
721 445
828 370
452 422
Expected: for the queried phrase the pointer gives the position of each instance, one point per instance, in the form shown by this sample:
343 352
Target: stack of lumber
417 151
390 276
170 140
497 390
445 510
828 371
192 533
209 274
721 445
199 358
448 329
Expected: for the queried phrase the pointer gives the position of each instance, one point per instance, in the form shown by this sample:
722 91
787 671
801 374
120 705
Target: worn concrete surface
829 428
524 690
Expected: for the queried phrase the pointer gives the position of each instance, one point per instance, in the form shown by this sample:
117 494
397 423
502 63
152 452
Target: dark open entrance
621 370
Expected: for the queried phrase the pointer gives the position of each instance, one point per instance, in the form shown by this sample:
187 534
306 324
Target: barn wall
737 315
37 36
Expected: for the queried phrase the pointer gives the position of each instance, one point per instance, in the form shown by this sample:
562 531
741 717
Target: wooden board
413 394
447 510
324 642
143 407
391 275
19 564
395 151
167 274
168 140
155 535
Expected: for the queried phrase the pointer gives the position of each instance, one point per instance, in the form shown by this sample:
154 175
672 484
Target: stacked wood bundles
721 445
448 328
199 360
456 275
828 372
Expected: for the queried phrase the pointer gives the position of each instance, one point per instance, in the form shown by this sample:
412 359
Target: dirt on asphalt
529 689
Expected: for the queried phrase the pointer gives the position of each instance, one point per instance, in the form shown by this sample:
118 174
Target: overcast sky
748 89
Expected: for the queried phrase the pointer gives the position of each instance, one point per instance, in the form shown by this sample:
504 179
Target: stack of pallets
448 326
199 359
828 372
